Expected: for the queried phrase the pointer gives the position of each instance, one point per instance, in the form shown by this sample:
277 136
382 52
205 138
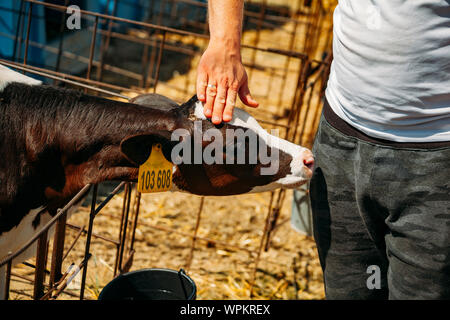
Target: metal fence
175 29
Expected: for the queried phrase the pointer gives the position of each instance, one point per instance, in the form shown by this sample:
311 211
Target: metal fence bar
92 51
76 57
7 280
82 229
199 238
124 20
94 235
88 240
261 244
27 39
41 261
62 26
168 29
18 31
123 237
158 64
136 217
194 237
74 200
122 222
105 42
58 249
62 77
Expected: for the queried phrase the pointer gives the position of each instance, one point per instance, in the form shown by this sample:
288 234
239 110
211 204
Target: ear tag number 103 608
155 174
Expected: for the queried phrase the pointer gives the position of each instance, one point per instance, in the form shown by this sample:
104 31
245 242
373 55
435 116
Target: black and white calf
54 141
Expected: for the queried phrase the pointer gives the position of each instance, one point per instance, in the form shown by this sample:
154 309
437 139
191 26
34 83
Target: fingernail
226 118
208 113
215 119
201 97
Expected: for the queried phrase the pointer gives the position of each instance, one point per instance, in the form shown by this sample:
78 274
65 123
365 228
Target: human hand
221 76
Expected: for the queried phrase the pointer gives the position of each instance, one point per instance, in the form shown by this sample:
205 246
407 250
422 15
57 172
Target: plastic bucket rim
181 271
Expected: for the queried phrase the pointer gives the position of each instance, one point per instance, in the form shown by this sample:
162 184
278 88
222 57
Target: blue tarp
9 18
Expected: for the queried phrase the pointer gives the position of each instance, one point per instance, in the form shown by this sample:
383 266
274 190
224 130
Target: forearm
225 23
221 74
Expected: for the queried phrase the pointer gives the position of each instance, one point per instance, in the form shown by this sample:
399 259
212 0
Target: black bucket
150 284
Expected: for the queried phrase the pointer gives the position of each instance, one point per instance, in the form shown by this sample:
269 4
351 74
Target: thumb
246 97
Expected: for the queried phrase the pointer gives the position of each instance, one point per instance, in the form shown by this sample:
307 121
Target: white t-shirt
390 77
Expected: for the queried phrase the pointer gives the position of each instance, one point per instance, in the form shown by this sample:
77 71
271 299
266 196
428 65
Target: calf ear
137 148
154 100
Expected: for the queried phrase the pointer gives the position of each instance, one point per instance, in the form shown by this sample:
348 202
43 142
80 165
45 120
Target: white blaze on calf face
302 158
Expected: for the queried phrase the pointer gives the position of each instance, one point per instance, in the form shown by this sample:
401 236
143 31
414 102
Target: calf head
232 158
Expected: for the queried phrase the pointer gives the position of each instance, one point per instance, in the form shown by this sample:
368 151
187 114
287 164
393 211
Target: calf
54 141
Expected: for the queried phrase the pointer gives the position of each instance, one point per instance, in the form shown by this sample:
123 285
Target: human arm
221 64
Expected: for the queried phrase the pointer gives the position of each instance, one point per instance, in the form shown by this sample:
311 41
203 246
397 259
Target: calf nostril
309 162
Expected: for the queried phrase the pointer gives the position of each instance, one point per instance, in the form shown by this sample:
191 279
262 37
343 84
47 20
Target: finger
231 103
211 93
219 104
202 82
246 97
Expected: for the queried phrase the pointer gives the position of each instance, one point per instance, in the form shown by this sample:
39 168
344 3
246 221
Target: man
380 192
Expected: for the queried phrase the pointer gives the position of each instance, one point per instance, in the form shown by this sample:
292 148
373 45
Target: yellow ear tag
155 174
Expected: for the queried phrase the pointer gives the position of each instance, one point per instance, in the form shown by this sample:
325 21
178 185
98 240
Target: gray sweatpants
381 218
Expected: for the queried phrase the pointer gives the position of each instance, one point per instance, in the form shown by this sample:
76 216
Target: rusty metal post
287 62
58 250
126 266
194 237
122 217
61 39
149 77
294 115
136 216
92 50
27 39
77 237
19 30
41 261
145 57
261 244
275 214
7 280
261 16
302 89
294 278
158 65
124 227
151 65
105 43
88 240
